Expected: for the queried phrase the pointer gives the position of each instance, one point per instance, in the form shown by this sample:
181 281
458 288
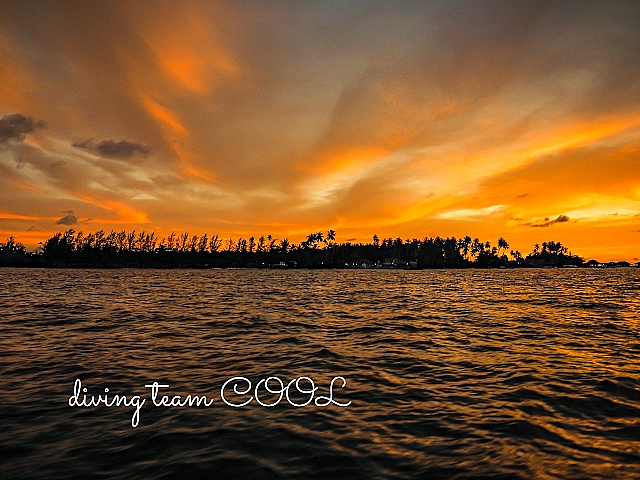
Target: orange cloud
127 215
573 135
9 216
343 162
191 70
187 48
163 114
184 155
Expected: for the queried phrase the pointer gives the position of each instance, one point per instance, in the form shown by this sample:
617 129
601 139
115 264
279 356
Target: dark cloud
112 149
548 223
68 219
16 127
59 163
86 145
122 149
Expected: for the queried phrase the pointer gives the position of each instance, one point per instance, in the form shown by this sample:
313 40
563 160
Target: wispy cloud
548 223
472 213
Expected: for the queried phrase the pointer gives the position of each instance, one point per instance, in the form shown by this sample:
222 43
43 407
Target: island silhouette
319 250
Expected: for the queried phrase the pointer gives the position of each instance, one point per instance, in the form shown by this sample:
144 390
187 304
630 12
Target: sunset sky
411 119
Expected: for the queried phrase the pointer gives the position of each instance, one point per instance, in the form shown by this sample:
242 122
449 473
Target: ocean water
449 374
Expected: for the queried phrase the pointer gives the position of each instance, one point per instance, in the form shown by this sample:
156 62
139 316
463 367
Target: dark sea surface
453 374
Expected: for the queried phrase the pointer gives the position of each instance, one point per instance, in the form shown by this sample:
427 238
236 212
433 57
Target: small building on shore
393 263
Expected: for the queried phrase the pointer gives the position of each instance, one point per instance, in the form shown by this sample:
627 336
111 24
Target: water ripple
451 374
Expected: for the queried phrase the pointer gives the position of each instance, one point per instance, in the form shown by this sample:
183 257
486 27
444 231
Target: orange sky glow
401 119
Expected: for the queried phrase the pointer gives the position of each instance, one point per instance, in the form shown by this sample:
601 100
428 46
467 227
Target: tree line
318 250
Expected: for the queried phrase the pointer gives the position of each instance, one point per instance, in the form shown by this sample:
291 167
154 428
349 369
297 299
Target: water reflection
451 374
